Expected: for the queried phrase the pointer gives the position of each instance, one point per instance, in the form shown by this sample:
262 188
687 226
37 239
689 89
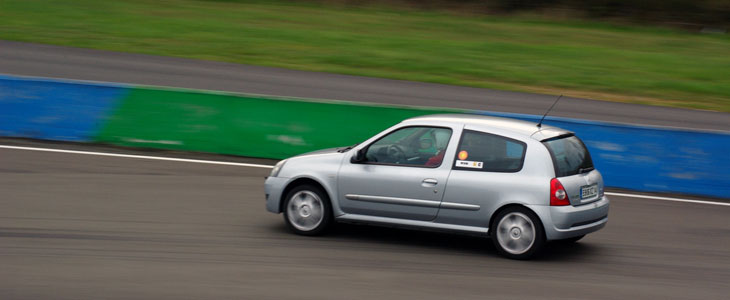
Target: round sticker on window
463 155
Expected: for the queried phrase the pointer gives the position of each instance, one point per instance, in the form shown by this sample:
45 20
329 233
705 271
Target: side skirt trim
412 202
360 219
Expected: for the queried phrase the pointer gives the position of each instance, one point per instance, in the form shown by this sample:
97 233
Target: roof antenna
548 111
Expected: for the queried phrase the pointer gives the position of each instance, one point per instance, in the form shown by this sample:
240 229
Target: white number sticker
469 164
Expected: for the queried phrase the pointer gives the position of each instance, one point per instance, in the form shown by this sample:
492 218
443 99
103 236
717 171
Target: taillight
558 196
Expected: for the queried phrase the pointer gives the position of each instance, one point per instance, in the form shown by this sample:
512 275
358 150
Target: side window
480 151
410 146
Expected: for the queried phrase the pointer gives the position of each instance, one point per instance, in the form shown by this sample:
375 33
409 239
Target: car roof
514 126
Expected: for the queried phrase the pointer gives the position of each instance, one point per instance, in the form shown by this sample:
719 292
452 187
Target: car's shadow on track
454 243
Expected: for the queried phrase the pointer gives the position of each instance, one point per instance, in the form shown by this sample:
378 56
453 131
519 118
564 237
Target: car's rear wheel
307 210
517 233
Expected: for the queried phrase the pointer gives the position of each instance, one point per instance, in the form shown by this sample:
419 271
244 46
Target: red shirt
436 159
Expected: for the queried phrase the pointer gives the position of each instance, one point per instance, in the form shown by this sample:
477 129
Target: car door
403 174
486 170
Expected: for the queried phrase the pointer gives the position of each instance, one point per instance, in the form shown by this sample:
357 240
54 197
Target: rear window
570 155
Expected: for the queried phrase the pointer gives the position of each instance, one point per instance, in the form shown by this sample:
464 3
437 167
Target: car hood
325 161
319 152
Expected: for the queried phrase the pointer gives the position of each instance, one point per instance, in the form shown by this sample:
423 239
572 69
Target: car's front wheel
517 233
307 210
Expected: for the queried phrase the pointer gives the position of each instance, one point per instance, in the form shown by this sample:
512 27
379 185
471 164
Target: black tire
518 222
570 240
298 216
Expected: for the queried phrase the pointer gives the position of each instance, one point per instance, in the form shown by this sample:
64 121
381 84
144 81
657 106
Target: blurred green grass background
647 65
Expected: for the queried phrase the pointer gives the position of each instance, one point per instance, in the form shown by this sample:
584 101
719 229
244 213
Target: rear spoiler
548 133
565 135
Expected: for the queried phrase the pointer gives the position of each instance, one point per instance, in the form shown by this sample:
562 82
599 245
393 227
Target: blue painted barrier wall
54 110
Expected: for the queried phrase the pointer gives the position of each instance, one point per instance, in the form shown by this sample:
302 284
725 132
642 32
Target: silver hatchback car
517 183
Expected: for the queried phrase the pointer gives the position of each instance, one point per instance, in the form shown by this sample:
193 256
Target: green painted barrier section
244 125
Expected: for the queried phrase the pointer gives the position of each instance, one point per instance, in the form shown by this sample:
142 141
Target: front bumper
562 222
274 187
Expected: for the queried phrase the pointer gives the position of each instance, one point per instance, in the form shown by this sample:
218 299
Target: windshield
570 155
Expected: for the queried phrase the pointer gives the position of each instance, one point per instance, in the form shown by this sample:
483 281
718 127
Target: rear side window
570 155
479 151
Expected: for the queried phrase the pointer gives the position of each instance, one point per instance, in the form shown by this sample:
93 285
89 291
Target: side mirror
358 157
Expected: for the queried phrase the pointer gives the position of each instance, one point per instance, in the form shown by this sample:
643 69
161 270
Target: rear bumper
562 222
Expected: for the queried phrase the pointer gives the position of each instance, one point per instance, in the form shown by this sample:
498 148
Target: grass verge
576 58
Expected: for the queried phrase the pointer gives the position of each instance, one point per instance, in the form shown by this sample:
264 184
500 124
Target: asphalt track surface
86 64
90 227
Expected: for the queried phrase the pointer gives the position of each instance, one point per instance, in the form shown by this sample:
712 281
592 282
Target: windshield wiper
343 150
585 170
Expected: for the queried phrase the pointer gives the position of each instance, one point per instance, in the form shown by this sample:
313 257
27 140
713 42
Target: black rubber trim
588 222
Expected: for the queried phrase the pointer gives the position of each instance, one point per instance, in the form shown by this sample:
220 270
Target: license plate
588 191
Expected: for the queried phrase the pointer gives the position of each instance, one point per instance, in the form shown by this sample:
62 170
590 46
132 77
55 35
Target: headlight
277 168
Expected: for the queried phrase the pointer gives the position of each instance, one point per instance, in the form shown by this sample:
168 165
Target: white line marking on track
213 162
667 199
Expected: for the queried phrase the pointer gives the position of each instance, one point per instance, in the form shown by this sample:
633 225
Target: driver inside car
438 156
